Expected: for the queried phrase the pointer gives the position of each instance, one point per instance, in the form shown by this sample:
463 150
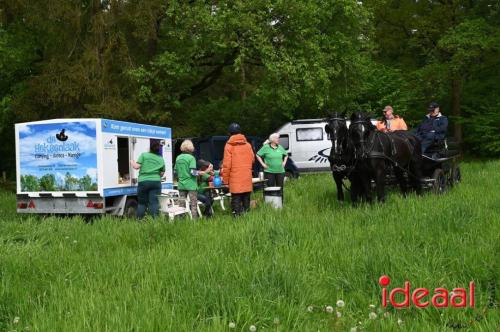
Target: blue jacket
433 127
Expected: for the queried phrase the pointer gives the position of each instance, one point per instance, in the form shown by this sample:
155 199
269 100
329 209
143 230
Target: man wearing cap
237 166
433 127
390 122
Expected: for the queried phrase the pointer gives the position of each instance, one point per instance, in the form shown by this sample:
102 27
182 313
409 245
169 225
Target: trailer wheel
130 209
456 176
440 181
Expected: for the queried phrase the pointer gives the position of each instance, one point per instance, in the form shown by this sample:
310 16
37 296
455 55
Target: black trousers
240 203
275 179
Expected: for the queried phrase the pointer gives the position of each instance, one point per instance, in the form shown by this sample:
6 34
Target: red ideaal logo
440 297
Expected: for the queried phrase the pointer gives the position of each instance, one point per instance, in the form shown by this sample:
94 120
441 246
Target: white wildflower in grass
372 306
276 321
232 325
339 314
354 329
372 315
340 304
329 309
310 308
387 314
26 328
16 320
253 328
400 321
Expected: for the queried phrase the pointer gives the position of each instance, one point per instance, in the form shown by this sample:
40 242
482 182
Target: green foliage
29 183
85 184
48 182
198 65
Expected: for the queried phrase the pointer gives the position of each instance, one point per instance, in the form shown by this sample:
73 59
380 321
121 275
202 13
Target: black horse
341 157
375 152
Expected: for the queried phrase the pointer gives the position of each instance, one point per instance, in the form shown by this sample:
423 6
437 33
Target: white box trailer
82 166
308 143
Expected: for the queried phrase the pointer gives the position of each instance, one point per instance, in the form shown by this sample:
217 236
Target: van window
309 134
285 141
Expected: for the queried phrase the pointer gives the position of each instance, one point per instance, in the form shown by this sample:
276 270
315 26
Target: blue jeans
147 195
207 203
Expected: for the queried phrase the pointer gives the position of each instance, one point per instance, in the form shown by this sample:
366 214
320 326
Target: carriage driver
433 127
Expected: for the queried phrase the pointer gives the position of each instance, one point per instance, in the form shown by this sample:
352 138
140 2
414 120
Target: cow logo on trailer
62 136
109 144
58 156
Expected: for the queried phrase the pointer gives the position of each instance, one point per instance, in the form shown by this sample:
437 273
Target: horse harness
382 155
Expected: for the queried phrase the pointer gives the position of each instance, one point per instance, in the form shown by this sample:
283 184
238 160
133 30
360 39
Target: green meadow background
268 269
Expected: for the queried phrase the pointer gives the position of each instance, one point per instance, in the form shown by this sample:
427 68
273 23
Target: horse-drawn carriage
440 167
370 159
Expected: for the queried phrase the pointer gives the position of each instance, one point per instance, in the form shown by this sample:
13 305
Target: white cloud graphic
92 172
86 147
24 129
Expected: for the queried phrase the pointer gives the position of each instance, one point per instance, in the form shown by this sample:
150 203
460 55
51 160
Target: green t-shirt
204 181
273 157
151 167
184 163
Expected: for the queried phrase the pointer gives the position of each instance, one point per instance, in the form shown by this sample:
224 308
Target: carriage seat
443 148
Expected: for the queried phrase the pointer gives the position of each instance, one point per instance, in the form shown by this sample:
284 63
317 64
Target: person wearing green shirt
273 157
151 167
187 175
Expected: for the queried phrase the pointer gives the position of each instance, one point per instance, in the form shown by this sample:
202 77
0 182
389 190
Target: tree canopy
198 65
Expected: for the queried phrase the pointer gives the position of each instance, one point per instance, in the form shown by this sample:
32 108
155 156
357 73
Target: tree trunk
455 107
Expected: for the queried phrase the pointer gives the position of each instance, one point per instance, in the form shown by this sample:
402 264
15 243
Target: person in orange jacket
237 165
391 122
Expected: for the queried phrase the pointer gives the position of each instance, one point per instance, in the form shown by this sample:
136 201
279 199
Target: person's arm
162 170
285 159
192 168
442 128
403 125
264 165
226 163
260 154
381 126
285 155
137 164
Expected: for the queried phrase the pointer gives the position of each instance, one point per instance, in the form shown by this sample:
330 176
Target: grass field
267 269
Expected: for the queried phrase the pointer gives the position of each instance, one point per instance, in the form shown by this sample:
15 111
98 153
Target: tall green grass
264 269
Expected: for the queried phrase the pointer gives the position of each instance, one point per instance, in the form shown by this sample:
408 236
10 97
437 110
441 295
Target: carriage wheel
456 176
440 182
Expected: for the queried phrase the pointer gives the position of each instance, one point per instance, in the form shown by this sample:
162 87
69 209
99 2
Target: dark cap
234 128
432 106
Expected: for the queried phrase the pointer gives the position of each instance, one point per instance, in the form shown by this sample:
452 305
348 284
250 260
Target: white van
307 143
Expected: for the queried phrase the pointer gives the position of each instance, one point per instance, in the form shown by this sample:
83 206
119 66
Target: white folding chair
219 197
172 204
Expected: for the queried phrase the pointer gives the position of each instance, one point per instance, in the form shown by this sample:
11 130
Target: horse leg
338 181
401 180
366 186
416 175
355 189
380 181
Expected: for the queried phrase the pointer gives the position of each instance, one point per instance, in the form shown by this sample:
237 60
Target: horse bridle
338 142
362 141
